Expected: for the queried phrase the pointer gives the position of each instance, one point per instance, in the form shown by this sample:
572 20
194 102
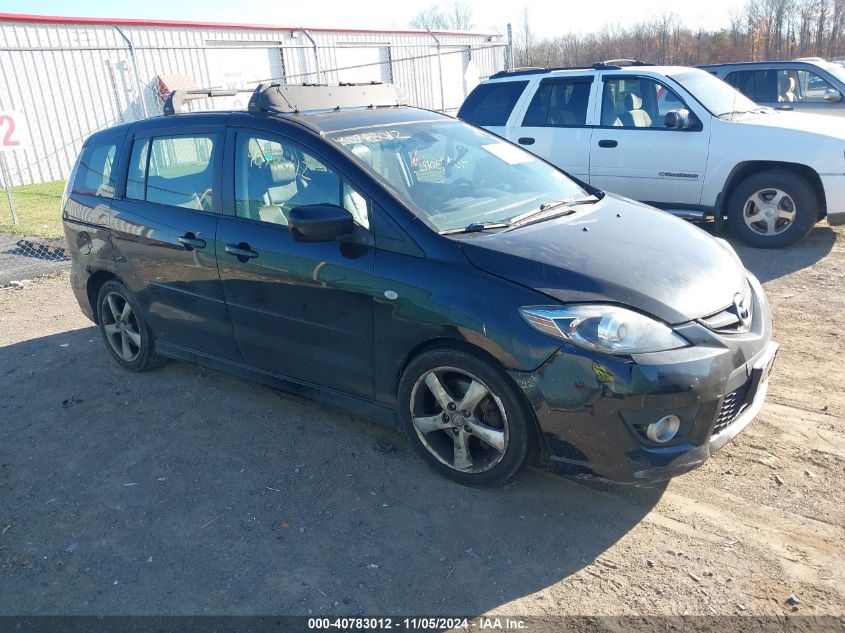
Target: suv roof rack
280 98
610 64
176 99
288 99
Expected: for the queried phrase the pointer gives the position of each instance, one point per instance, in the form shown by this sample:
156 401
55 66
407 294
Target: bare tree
457 16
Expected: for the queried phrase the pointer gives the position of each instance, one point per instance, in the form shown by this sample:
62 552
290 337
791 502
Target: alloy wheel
769 211
459 419
121 327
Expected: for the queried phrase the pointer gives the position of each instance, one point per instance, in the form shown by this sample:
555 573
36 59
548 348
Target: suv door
758 84
811 91
303 310
632 151
555 125
163 229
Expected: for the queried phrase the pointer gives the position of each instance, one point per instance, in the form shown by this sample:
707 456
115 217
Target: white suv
677 138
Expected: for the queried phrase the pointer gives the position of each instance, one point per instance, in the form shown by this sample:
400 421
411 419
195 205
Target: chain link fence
71 80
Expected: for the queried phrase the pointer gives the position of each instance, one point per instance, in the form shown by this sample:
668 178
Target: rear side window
491 104
174 170
559 103
757 85
94 175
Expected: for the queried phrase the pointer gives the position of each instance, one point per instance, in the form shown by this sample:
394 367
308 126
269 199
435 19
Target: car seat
635 115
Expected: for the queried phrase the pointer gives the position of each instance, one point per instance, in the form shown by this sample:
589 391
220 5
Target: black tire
489 467
132 328
805 203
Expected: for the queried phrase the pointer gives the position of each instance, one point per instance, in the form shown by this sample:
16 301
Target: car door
809 91
758 84
633 153
303 310
554 126
163 227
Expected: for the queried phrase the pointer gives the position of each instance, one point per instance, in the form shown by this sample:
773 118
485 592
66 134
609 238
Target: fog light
664 429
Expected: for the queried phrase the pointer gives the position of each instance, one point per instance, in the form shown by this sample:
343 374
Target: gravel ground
184 491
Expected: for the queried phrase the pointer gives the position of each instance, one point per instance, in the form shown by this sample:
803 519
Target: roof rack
610 64
177 98
289 99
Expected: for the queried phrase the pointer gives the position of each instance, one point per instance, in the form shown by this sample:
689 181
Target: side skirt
372 411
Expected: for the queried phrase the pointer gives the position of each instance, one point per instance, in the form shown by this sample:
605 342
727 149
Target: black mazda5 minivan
408 266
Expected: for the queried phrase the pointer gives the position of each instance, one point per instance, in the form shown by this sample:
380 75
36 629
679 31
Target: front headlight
605 328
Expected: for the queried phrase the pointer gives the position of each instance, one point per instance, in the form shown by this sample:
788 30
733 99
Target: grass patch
38 208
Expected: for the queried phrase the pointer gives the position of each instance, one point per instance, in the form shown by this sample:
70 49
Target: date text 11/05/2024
416 624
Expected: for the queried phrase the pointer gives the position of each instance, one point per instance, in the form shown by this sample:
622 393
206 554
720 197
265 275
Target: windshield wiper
548 210
476 227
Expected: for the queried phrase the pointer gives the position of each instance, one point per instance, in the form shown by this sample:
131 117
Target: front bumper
834 194
593 409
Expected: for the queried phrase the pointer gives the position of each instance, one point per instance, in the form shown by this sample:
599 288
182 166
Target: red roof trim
56 19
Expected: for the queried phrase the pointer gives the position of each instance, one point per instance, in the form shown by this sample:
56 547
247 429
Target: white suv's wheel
773 208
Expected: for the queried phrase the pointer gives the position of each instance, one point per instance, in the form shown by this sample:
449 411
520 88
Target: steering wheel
461 183
203 201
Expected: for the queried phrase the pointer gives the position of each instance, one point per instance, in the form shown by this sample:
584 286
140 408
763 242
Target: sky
547 18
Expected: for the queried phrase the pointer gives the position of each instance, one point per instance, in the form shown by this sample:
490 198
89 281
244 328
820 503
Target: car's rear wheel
773 208
465 417
124 329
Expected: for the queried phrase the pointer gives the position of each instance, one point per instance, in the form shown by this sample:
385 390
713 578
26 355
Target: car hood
617 251
822 124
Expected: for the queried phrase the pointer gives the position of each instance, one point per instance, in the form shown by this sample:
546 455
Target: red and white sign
14 132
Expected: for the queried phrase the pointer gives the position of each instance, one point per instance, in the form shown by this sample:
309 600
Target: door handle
242 251
784 108
607 143
525 140
190 241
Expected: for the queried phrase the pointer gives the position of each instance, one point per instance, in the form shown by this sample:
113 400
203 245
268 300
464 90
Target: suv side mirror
681 119
832 96
319 222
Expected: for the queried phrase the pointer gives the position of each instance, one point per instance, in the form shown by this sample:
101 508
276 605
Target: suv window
173 170
637 102
559 103
491 104
94 174
272 176
757 85
801 85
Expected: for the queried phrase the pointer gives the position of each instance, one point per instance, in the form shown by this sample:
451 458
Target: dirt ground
184 491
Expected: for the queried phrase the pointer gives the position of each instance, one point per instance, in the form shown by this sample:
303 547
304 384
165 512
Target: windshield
713 93
455 174
834 69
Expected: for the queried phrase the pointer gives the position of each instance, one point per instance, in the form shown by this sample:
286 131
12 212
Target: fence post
316 56
439 70
134 70
7 185
509 49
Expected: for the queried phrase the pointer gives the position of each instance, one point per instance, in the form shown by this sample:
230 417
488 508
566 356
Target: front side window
454 174
637 102
491 103
176 171
94 174
801 86
274 175
559 103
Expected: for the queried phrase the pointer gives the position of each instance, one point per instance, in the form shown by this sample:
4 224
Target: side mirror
832 96
319 222
680 120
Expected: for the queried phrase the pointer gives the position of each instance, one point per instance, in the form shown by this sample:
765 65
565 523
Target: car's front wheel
773 208
124 329
465 417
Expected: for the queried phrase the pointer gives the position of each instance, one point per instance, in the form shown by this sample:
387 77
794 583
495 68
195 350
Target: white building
71 76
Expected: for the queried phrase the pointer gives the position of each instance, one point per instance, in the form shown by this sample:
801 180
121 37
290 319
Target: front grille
733 404
729 321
